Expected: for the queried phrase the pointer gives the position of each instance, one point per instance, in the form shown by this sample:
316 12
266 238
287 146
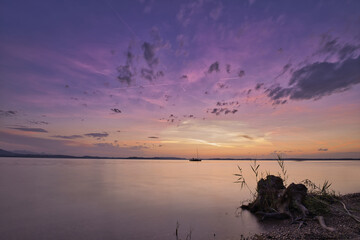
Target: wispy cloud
127 72
38 122
246 136
8 113
97 135
330 46
149 54
68 137
26 129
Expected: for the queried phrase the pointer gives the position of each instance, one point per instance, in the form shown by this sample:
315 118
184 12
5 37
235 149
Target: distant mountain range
4 153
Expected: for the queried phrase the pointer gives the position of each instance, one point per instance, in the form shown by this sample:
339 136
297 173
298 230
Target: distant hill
4 153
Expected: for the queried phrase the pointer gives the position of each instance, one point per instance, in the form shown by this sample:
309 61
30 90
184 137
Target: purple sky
162 78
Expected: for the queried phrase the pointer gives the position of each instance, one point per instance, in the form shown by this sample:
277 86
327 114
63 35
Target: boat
197 159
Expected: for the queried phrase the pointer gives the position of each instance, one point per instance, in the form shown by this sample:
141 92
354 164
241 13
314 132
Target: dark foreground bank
344 226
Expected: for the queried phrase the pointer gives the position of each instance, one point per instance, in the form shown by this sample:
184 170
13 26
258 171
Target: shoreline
177 159
345 226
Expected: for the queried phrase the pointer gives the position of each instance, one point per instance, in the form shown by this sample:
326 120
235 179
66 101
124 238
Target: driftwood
275 201
323 225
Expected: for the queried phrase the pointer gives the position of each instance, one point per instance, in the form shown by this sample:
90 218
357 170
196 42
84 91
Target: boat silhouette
197 159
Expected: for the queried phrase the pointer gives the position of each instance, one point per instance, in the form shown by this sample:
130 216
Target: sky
244 78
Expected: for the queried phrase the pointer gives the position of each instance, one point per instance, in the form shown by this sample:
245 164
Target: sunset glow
163 78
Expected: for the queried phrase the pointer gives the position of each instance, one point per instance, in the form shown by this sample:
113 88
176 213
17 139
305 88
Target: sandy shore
345 226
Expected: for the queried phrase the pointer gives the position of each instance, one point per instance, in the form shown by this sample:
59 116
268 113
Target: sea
44 198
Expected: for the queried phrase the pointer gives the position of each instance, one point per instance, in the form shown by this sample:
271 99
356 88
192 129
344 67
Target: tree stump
273 200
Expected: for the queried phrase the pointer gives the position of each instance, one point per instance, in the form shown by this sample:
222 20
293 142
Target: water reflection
139 199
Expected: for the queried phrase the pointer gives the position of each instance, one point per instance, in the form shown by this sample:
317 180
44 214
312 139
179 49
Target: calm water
140 199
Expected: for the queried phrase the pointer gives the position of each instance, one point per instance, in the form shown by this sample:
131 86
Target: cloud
332 47
160 74
284 70
138 147
171 119
147 74
214 67
38 122
222 85
116 147
64 146
181 41
26 129
218 111
158 41
129 56
241 73
153 137
228 68
68 137
97 135
149 54
127 72
317 80
229 103
8 113
115 110
36 143
167 97
125 75
150 74
104 145
322 149
258 86
246 136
